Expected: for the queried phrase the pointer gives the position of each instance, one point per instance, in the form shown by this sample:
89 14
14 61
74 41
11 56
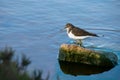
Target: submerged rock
74 53
76 69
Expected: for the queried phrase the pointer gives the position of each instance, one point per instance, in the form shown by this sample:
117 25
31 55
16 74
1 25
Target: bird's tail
98 35
92 34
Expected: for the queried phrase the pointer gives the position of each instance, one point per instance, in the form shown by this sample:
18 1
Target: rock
74 53
76 69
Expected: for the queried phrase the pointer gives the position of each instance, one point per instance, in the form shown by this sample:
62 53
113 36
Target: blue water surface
33 27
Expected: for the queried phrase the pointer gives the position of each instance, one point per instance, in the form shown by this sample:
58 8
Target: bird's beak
65 27
62 29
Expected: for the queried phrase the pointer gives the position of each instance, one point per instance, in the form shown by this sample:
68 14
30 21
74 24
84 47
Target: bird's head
68 26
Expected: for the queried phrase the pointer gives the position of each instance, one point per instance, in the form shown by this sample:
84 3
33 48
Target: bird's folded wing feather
80 32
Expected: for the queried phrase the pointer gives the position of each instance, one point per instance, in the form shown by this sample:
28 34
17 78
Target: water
33 27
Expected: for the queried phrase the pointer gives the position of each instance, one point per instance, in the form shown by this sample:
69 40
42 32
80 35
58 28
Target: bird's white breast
72 36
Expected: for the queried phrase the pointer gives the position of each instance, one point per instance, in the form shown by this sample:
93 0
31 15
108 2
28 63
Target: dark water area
77 69
33 27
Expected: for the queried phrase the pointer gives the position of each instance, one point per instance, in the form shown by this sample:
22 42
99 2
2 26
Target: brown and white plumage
77 33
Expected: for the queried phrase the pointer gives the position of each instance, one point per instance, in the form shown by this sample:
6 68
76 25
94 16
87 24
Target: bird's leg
79 42
76 42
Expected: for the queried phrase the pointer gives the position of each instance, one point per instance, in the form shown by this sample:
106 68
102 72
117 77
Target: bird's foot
79 43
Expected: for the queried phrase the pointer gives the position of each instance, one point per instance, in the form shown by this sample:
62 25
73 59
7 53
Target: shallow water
33 27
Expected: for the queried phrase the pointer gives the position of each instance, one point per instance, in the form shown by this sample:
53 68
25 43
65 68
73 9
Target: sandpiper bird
78 34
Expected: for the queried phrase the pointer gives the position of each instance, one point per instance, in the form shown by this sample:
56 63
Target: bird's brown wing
80 32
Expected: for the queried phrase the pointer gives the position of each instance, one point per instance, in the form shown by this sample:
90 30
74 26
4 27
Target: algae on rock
74 53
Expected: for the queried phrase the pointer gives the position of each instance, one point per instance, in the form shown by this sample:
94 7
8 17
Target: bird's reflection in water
80 69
